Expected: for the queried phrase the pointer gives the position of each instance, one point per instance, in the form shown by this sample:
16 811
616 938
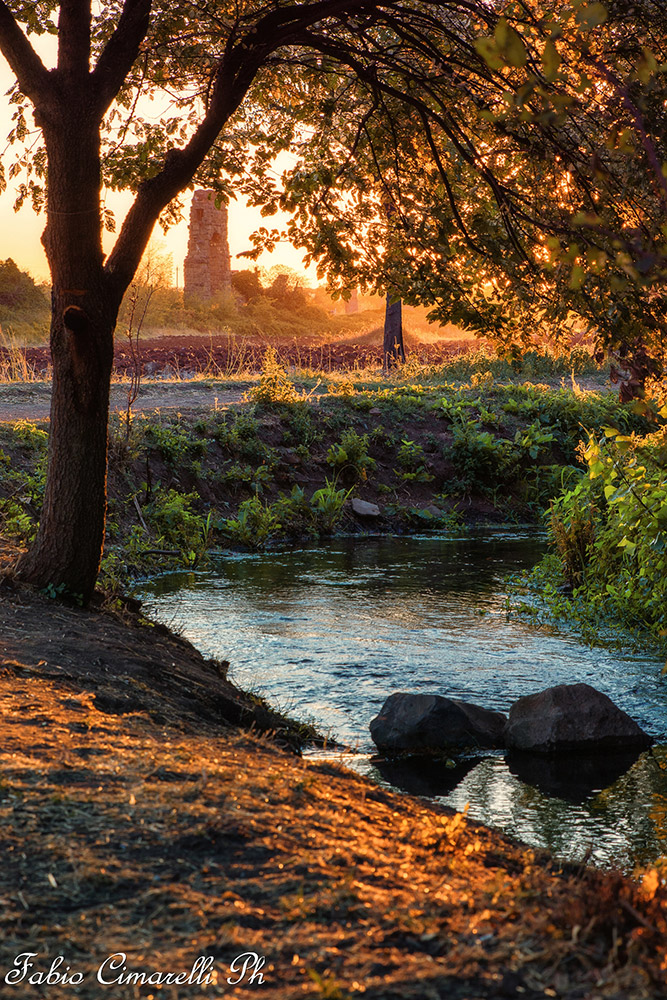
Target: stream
327 633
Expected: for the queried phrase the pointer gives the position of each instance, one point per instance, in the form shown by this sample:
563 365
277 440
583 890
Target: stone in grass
433 511
365 509
571 717
422 722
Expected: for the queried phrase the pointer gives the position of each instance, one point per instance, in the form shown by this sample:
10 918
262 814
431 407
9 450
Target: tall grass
14 365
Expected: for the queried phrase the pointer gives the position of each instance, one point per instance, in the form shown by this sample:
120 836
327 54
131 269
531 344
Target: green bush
327 506
411 458
290 515
16 522
173 441
610 533
177 526
253 525
350 455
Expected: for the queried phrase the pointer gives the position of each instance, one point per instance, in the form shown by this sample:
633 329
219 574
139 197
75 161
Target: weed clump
573 537
274 384
291 515
350 455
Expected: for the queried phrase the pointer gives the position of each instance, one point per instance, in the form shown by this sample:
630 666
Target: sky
20 232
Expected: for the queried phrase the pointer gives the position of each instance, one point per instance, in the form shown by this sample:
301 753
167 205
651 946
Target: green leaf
623 443
488 50
592 15
550 61
576 278
513 48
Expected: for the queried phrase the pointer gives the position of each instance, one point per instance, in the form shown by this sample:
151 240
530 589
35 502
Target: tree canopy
500 162
18 291
539 197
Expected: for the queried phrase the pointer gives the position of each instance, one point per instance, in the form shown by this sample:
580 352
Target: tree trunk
393 349
67 551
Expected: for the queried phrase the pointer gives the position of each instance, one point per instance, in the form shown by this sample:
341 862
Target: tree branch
74 25
120 52
448 187
31 73
233 78
459 139
244 56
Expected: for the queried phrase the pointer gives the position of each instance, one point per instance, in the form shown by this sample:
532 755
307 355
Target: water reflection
570 776
622 825
427 776
329 633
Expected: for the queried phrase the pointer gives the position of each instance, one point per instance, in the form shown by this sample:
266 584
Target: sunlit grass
14 366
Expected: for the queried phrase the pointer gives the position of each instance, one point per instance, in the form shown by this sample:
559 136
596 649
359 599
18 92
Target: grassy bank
287 465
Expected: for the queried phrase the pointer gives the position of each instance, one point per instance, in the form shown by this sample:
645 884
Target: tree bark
70 102
67 551
393 350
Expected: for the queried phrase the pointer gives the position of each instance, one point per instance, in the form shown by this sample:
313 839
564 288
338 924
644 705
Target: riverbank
138 817
286 466
134 821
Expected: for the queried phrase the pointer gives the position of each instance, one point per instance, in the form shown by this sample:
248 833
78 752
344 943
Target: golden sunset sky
20 232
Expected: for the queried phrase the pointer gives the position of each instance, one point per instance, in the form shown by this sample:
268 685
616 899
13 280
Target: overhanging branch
245 54
120 52
31 73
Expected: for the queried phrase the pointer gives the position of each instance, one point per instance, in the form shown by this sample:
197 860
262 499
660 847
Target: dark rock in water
571 717
425 775
572 776
431 722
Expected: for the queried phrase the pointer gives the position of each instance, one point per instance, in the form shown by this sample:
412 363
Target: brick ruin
207 266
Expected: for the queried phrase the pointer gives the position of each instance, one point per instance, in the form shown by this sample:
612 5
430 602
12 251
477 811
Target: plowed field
222 354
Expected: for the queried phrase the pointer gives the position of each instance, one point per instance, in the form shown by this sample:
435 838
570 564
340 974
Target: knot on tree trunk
88 352
76 320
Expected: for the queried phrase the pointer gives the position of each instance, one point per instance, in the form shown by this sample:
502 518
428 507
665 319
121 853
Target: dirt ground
124 667
221 353
32 400
137 821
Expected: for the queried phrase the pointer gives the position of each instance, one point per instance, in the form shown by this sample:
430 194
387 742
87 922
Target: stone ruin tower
207 266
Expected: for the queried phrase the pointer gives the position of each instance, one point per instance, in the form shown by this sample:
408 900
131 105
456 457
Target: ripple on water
329 632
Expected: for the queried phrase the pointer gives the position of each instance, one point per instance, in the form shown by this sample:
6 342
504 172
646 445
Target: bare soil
32 400
125 670
224 354
136 819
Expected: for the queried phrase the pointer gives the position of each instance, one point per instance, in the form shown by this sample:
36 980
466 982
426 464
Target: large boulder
571 717
418 722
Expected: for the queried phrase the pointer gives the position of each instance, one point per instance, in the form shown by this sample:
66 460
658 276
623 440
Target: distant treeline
24 305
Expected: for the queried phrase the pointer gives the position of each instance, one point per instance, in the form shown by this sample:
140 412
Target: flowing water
328 633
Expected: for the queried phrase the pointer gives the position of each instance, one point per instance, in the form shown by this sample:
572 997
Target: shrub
351 454
610 533
274 384
253 525
411 458
327 505
171 516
